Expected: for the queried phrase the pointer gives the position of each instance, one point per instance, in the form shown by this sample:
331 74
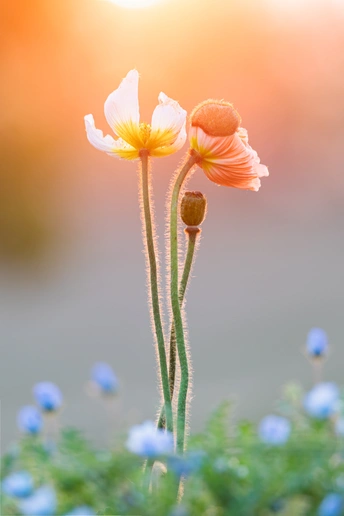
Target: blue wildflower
321 401
274 430
83 510
332 505
103 376
317 342
48 396
18 485
148 441
29 420
187 465
41 503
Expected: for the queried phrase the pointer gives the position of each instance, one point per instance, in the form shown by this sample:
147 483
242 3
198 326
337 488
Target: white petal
168 115
178 144
122 105
174 147
96 138
118 148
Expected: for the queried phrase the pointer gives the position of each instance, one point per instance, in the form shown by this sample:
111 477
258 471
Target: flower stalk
192 234
154 287
175 300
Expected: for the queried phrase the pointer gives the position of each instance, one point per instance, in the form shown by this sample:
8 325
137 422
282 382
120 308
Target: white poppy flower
163 136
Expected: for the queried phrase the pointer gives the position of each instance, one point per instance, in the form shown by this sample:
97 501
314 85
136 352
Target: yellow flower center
216 118
145 132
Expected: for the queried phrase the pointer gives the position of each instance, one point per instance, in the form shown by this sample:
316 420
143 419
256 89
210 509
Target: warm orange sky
282 67
60 58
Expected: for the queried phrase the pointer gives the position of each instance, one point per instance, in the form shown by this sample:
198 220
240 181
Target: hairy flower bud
193 208
216 118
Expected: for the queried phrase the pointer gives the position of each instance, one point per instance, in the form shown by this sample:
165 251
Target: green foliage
235 473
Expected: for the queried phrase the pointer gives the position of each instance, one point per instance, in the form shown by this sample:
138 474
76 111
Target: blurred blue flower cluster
39 502
18 485
321 402
48 398
320 407
42 502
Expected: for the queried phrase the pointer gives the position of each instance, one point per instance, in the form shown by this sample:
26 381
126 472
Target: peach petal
228 160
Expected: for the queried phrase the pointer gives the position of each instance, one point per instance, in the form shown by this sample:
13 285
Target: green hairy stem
175 303
192 237
154 287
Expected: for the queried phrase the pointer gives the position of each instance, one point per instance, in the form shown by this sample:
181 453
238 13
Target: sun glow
135 4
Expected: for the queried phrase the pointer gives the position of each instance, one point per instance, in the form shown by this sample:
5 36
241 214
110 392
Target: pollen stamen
145 131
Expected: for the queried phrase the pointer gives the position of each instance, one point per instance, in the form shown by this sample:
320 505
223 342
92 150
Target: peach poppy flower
222 146
165 135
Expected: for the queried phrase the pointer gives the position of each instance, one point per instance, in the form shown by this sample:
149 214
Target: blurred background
72 272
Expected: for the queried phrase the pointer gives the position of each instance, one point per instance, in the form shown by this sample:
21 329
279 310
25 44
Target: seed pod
193 208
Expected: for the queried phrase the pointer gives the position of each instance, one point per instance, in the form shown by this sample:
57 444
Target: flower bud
317 343
216 118
193 208
104 378
48 396
29 420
